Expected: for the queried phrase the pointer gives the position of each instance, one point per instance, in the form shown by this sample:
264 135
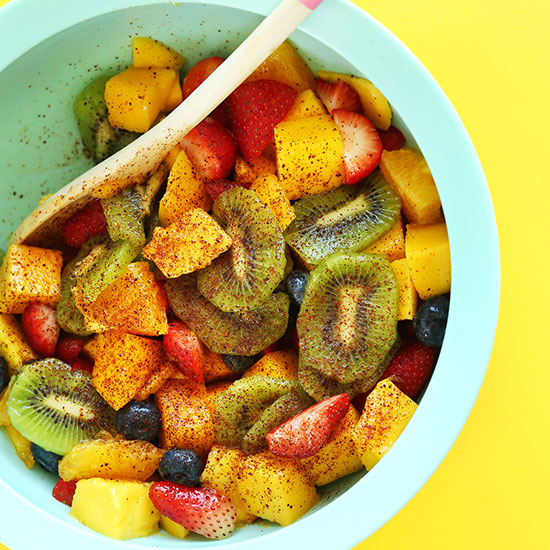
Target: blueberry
45 459
296 285
4 375
430 320
238 363
181 466
138 420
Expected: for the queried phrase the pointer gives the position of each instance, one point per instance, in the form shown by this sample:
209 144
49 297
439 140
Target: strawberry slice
338 95
81 363
303 435
184 347
200 509
255 108
64 491
83 225
217 187
362 144
68 349
392 138
199 73
39 323
211 149
411 367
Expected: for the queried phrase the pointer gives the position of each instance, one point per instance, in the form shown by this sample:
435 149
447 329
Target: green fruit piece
57 407
90 110
245 276
348 318
124 215
245 333
289 266
348 218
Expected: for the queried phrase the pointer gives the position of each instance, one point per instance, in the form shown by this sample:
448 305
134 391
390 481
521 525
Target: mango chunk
280 364
407 172
310 157
148 52
175 529
13 344
213 390
175 96
160 375
387 412
29 274
214 367
171 157
375 105
118 509
273 196
246 173
306 104
189 244
392 244
184 192
21 445
429 258
408 297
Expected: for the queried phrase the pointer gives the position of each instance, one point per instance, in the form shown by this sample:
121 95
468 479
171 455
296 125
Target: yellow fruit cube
248 172
13 344
29 274
118 509
157 379
408 173
172 156
274 488
310 157
387 411
214 367
189 244
21 445
175 96
408 297
338 457
273 196
429 258
307 103
184 192
175 529
4 416
375 105
392 244
281 364
220 473
148 52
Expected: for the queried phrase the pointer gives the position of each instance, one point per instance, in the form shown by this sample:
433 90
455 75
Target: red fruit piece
185 349
199 73
255 108
68 349
303 435
211 149
83 364
362 144
83 225
200 509
338 95
411 367
217 187
39 323
64 491
392 138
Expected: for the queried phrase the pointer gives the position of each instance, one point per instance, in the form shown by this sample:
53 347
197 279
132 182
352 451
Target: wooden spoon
139 159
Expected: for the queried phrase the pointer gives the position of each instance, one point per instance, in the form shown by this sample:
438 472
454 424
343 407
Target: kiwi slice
57 407
244 333
348 218
245 276
348 318
124 215
99 137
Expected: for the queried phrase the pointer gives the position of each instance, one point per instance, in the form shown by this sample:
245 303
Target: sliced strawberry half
362 144
39 323
83 225
338 95
63 491
303 435
199 73
68 349
217 187
255 108
185 349
211 149
200 509
82 363
392 138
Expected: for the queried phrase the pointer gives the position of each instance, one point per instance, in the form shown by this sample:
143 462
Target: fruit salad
254 320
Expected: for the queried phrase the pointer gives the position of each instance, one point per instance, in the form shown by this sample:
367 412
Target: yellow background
492 58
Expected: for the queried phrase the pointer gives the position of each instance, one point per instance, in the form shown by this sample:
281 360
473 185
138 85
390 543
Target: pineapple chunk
163 372
387 411
220 473
175 529
184 192
13 345
274 488
148 52
338 457
118 509
29 274
246 173
22 446
375 105
280 364
187 245
306 104
408 173
408 297
273 196
429 259
214 367
310 156
392 244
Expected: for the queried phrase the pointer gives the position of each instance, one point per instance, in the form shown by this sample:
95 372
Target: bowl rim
475 267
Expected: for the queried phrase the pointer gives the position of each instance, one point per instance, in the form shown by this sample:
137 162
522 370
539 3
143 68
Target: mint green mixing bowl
51 49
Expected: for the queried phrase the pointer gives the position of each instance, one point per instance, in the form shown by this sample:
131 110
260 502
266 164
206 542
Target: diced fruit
386 414
126 511
14 347
305 105
310 156
408 297
392 138
274 488
85 224
375 105
39 323
175 97
338 95
189 244
68 349
338 457
182 466
148 52
273 196
202 510
408 173
214 367
429 258
138 420
47 460
124 214
216 187
212 392
282 364
175 529
82 363
163 372
391 244
22 446
171 157
246 173
199 73
430 321
4 416
238 364
4 375
184 347
29 274
63 491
